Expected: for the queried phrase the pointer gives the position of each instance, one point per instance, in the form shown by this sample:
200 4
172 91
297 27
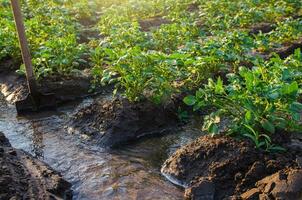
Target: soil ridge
24 177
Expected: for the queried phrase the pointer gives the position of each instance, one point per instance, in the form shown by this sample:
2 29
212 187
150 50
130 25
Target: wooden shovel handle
24 45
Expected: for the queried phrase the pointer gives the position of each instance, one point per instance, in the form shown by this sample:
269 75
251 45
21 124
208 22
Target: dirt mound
112 122
221 167
23 177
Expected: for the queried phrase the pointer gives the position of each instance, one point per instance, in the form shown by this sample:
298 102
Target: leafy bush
255 103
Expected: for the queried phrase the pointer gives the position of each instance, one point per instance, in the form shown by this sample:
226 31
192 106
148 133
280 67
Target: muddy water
132 172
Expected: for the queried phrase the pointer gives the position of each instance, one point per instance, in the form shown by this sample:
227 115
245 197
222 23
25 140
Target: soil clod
24 177
110 123
229 168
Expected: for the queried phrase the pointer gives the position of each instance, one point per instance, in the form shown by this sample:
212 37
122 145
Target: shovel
34 101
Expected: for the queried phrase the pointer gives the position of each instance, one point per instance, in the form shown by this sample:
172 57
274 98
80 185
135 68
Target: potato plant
154 49
51 34
207 42
254 103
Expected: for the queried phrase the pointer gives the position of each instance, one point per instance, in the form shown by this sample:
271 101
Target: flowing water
131 172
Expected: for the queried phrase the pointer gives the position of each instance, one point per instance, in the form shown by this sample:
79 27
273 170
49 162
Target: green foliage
224 14
53 28
207 37
255 103
8 42
185 43
286 31
51 33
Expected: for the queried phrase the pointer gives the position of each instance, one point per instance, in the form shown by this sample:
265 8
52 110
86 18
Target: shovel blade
41 102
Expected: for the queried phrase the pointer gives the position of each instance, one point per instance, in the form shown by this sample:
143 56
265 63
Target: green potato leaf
190 100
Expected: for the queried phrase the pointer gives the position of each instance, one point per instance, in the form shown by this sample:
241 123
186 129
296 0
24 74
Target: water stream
131 172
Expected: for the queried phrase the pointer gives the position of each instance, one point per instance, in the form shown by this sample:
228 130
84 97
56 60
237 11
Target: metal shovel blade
39 102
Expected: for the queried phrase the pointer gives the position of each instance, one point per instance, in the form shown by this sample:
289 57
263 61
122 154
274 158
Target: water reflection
131 172
37 142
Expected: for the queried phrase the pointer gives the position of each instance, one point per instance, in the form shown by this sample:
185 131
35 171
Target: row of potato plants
198 40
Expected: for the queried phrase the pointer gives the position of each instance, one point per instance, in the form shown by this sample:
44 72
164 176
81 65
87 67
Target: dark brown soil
283 52
288 49
285 184
87 34
9 64
154 22
88 21
262 27
265 27
221 167
113 122
14 88
23 177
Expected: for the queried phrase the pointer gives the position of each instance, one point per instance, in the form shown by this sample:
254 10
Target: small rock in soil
203 189
285 184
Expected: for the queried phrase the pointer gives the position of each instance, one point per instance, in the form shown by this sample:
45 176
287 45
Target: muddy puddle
131 172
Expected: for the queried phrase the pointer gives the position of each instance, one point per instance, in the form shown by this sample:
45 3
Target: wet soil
24 177
206 166
110 123
129 172
221 167
13 87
